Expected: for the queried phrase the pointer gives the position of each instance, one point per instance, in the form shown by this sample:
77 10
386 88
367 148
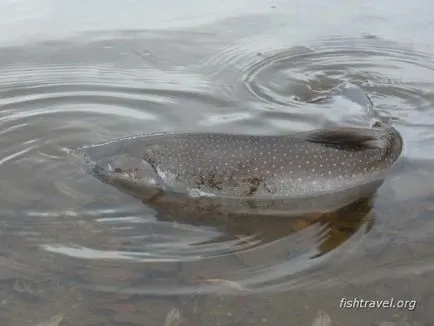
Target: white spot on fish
196 193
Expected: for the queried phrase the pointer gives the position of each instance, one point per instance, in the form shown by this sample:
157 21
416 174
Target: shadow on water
335 227
74 246
295 241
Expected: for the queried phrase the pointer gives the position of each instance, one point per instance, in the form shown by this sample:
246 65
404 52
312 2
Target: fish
324 168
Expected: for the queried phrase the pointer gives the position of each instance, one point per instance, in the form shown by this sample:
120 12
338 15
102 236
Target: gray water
82 253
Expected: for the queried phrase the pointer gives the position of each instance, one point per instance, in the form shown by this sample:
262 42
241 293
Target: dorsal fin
351 139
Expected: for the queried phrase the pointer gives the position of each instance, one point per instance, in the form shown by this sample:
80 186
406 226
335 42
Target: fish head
120 167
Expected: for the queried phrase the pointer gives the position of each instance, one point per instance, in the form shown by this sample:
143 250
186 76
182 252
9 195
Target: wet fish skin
295 165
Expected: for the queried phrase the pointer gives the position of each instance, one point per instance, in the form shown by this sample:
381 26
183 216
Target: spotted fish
254 167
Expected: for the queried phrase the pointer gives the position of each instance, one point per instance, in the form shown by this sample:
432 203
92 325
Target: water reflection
336 227
293 245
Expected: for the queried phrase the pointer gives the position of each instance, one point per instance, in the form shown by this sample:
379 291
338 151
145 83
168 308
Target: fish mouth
129 173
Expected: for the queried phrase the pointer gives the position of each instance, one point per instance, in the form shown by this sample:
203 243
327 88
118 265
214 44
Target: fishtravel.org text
355 303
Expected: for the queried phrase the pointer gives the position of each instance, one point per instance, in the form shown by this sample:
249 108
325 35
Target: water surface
71 245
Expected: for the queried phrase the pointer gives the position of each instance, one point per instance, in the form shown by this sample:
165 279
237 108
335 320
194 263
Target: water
75 73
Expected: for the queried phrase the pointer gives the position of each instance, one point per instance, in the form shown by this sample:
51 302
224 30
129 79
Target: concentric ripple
286 81
371 63
50 104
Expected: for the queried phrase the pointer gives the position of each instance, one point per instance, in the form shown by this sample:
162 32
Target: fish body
331 166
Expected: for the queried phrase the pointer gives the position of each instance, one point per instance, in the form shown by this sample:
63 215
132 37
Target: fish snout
120 170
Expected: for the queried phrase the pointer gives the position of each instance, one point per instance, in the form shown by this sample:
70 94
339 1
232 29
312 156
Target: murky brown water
75 248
